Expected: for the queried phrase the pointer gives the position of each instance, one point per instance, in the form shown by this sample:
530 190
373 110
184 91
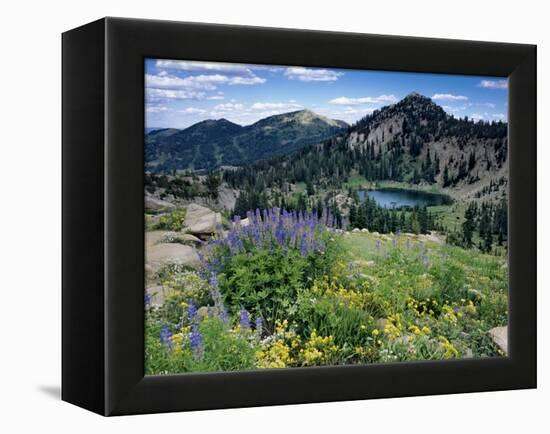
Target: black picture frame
103 218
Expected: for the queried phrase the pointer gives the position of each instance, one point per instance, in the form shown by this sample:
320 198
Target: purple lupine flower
244 319
147 299
191 312
213 280
219 309
165 336
195 339
303 245
280 235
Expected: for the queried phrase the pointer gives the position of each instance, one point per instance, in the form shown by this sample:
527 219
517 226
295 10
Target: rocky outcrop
500 337
154 237
189 239
201 221
159 237
158 205
158 293
158 255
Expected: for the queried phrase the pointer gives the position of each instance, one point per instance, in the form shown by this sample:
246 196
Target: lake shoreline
391 197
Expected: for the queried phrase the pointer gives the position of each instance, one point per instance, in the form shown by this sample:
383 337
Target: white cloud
309 74
215 97
381 99
192 111
487 104
245 80
205 82
159 94
213 74
500 116
448 97
494 84
449 108
156 109
275 106
184 65
173 87
228 107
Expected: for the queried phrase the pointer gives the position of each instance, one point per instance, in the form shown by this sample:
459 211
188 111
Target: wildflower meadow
290 289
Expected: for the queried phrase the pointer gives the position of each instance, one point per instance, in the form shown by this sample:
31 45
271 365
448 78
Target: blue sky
181 93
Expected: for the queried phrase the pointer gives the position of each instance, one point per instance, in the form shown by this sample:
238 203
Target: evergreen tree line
489 221
184 187
252 200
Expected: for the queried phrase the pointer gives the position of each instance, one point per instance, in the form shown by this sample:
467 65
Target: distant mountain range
413 141
214 143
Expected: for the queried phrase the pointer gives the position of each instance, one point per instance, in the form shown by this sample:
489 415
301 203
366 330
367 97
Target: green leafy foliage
173 221
367 299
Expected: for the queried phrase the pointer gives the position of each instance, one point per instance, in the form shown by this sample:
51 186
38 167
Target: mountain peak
415 96
420 104
306 116
221 121
219 142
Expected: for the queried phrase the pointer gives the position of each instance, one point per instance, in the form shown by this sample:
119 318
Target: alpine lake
402 198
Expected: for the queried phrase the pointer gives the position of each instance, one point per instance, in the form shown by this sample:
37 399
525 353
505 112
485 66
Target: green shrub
173 221
264 283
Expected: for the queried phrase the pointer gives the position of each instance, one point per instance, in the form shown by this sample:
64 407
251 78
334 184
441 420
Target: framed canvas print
258 216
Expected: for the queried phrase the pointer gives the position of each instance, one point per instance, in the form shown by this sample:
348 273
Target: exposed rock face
189 239
158 237
154 204
154 237
500 336
200 220
167 253
158 294
202 312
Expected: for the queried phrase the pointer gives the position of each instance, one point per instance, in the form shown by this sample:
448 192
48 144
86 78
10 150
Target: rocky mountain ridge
214 143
